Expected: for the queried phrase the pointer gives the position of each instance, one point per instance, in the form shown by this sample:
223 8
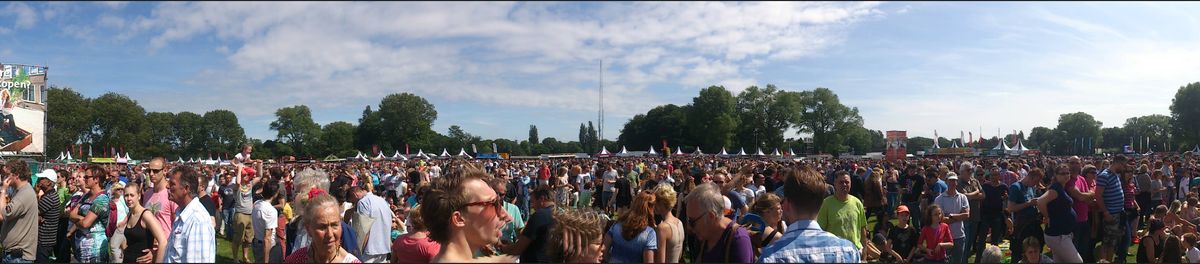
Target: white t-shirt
265 217
610 175
1193 255
435 172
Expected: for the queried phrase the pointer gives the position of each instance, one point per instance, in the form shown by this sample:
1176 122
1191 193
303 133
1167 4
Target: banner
23 116
897 145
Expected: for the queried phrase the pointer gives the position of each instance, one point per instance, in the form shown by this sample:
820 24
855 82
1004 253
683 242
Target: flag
494 148
972 137
473 149
406 149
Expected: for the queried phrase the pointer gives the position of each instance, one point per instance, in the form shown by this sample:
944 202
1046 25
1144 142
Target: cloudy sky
496 68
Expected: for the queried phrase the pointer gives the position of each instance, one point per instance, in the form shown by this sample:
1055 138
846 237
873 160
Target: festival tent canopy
791 152
723 152
698 152
759 152
678 151
652 151
776 153
397 156
1194 150
741 152
1001 146
623 151
462 152
180 160
953 144
380 156
603 151
332 158
444 153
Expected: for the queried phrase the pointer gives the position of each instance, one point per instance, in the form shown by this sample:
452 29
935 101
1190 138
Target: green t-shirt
843 219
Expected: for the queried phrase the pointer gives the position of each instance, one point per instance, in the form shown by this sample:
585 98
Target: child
935 236
886 253
1033 252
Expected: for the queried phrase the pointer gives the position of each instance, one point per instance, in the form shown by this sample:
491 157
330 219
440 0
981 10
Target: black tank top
138 238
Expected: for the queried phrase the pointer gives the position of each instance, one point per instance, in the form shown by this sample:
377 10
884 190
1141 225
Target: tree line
812 121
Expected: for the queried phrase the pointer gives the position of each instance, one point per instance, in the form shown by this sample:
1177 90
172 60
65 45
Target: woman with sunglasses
91 218
1057 205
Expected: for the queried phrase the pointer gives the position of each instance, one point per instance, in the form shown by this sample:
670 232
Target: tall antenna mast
601 132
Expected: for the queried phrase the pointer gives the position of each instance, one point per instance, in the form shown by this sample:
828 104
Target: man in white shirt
193 238
378 238
265 221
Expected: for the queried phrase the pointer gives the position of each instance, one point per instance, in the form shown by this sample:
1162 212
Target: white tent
603 151
444 153
623 151
69 156
1018 149
652 152
462 152
741 152
180 160
380 156
1195 150
60 156
358 156
678 151
421 154
192 160
723 152
759 152
776 153
953 144
1002 146
792 152
698 152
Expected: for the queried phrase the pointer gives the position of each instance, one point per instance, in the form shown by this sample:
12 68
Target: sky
495 68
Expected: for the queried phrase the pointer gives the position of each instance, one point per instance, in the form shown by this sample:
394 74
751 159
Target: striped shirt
806 242
50 213
1113 198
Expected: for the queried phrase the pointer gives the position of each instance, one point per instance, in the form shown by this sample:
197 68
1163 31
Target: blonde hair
665 197
574 230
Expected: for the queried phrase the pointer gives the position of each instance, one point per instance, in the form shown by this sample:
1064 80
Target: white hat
49 174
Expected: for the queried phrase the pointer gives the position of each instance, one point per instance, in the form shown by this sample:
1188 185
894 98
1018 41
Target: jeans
971 226
996 226
958 254
914 212
227 223
1063 248
1083 241
892 199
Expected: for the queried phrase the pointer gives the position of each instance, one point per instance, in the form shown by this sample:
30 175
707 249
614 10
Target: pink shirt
413 250
1081 184
163 208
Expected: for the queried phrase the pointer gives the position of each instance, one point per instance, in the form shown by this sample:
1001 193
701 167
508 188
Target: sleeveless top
138 238
674 244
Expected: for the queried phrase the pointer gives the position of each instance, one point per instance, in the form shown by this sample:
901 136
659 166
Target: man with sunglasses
157 200
464 215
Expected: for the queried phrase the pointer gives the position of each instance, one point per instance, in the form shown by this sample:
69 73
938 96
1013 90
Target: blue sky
495 68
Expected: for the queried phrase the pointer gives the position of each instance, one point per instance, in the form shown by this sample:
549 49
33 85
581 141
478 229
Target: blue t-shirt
1062 212
936 190
630 251
1018 193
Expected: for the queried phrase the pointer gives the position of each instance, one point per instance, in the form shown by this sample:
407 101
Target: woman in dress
144 238
669 228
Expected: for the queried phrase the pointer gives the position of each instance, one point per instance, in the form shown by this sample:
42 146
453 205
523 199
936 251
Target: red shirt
414 250
932 237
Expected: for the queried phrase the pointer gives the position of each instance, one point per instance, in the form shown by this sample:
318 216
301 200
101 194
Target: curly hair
639 216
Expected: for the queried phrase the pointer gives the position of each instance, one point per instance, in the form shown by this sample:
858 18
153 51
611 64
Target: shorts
243 224
1114 230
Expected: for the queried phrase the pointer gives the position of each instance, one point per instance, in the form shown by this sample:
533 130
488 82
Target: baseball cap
902 209
49 174
951 176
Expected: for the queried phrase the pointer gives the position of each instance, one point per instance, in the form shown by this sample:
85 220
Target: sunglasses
155 171
494 204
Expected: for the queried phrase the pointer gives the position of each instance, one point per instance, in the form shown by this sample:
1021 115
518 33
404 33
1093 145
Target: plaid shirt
194 239
805 242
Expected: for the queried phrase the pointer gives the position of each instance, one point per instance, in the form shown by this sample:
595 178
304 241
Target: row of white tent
679 151
462 153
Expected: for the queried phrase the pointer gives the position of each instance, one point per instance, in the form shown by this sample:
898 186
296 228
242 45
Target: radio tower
601 132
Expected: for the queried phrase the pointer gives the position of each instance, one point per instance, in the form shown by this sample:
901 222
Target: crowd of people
616 210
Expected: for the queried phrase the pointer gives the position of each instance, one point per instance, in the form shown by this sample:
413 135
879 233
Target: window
29 96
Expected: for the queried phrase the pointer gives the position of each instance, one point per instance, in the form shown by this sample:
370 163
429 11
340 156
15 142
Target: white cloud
26 16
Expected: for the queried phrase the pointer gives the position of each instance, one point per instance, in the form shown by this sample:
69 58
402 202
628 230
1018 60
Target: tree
224 133
1113 139
68 120
1154 127
117 122
1040 138
160 132
406 118
190 136
824 116
533 135
712 118
764 115
593 139
338 139
915 144
294 125
1073 128
369 131
1185 115
665 122
461 138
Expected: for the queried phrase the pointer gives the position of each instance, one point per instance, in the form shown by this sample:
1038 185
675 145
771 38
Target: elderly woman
306 182
322 221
